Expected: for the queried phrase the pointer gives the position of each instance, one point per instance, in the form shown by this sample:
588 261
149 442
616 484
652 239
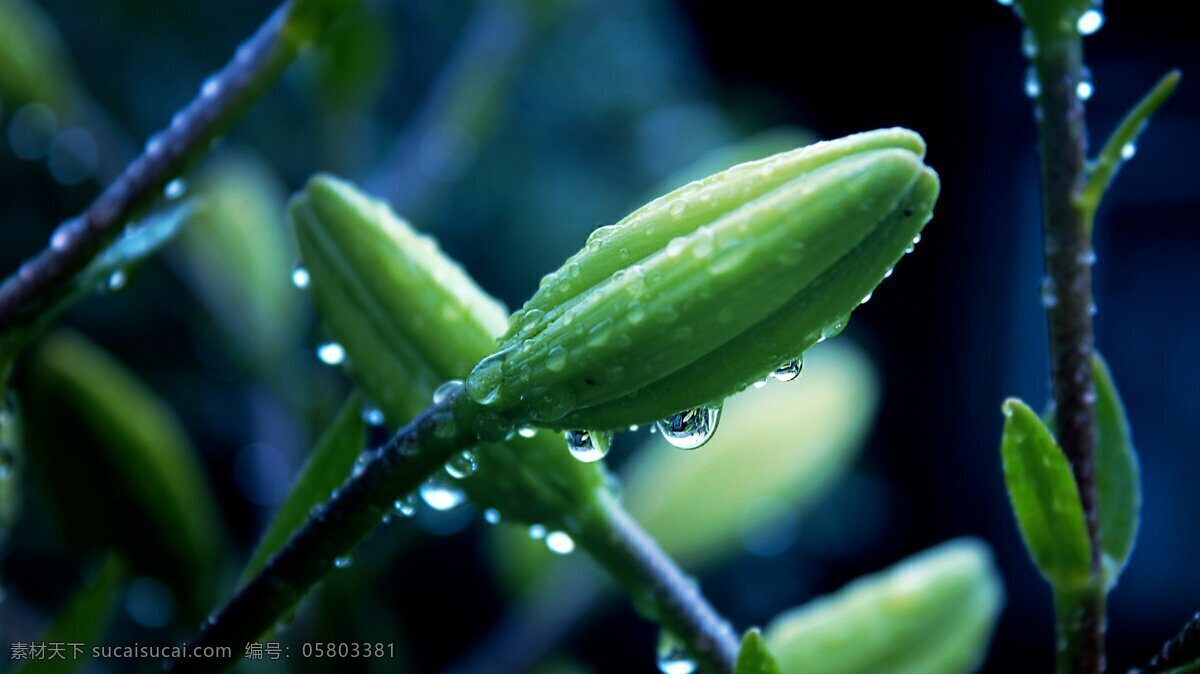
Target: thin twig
1180 651
334 529
222 98
1067 295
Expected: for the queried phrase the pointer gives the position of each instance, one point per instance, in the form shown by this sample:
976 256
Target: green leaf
1117 475
327 468
1116 151
237 253
83 620
754 657
121 469
933 613
1045 498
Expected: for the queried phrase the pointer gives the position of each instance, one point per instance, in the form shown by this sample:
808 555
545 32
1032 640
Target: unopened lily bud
709 288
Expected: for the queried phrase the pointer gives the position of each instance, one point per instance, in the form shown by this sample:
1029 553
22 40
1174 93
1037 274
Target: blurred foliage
84 619
930 614
33 61
134 483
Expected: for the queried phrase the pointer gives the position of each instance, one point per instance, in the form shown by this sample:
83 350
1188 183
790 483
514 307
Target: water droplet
526 431
633 428
866 298
211 87
1090 22
464 464
556 360
560 543
589 446
1032 86
676 246
760 383
1049 294
483 384
440 494
1005 3
1128 150
175 189
691 428
673 658
537 532
342 562
115 281
443 392
703 245
407 506
917 239
300 277
1087 257
1029 45
491 516
889 272
331 353
1084 89
373 416
789 370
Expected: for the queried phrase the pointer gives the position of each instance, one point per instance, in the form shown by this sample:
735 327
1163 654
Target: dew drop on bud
589 446
789 370
439 494
673 658
464 464
691 428
443 392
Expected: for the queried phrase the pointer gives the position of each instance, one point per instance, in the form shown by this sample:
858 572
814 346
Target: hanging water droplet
491 516
1128 150
1032 86
373 416
673 658
342 562
789 370
866 298
300 277
331 353
115 281
589 446
917 239
560 543
441 495
464 464
760 383
175 189
537 532
633 428
211 87
1084 89
407 506
1090 22
889 272
526 431
691 428
443 392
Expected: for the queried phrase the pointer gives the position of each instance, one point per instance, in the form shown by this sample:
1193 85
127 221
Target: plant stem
1068 300
222 98
398 468
636 560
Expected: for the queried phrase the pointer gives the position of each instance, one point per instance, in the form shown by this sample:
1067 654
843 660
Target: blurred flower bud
932 613
706 289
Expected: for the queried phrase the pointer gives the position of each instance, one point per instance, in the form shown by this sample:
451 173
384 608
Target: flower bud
706 289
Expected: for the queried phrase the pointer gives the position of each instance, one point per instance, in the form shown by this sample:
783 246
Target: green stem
1068 300
222 99
1074 612
658 586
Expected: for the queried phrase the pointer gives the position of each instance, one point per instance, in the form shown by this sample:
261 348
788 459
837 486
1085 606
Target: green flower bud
932 613
706 289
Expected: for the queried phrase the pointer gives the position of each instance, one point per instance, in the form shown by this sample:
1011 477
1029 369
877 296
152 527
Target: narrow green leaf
932 613
83 620
1123 142
1117 475
327 468
754 657
1045 498
121 469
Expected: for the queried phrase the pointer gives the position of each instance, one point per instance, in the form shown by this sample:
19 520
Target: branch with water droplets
222 98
